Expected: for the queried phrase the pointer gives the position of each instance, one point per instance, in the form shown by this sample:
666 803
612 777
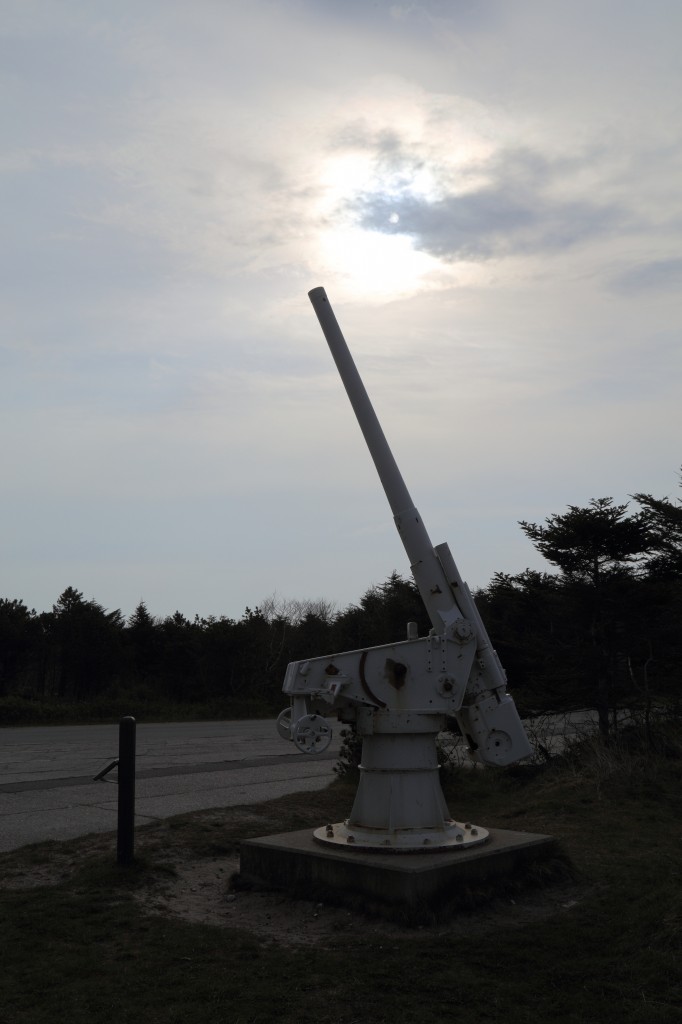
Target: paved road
47 792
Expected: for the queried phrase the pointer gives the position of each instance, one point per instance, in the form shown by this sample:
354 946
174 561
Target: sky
490 191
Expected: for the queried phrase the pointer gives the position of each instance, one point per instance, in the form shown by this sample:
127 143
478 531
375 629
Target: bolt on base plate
453 835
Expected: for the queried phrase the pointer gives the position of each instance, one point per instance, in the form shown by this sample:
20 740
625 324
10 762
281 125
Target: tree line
80 652
601 629
604 630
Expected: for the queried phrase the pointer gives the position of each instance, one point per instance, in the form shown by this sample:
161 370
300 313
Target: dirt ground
198 888
200 892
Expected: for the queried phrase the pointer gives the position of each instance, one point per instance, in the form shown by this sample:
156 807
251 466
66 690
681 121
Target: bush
349 754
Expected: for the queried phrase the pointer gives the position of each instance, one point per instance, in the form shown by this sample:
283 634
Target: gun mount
397 696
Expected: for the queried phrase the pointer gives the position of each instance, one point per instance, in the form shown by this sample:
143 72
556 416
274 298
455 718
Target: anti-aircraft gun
398 696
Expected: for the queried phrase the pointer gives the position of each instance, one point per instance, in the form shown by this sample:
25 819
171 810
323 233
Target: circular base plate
453 835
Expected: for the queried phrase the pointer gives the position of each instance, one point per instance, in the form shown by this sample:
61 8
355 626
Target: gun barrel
426 568
396 491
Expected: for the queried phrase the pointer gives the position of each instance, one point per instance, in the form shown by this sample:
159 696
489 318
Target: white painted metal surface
398 696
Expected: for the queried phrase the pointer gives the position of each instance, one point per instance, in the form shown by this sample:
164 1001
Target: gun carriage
398 696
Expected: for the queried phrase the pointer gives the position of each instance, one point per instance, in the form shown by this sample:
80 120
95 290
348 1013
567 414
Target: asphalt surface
46 774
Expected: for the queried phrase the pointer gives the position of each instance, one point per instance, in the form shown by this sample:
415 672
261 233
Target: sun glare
370 262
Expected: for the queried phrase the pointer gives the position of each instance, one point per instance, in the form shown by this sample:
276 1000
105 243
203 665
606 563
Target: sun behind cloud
372 264
367 263
385 164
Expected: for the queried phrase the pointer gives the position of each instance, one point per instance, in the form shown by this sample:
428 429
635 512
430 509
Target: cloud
517 208
656 275
465 15
176 177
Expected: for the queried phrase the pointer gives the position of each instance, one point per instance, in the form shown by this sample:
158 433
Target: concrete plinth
415 884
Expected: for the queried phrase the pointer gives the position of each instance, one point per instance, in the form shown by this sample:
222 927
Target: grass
84 951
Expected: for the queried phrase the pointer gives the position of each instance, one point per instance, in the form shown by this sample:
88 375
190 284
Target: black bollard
125 844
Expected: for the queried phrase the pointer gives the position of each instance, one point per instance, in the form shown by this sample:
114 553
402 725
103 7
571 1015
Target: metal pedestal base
410 886
399 804
453 835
